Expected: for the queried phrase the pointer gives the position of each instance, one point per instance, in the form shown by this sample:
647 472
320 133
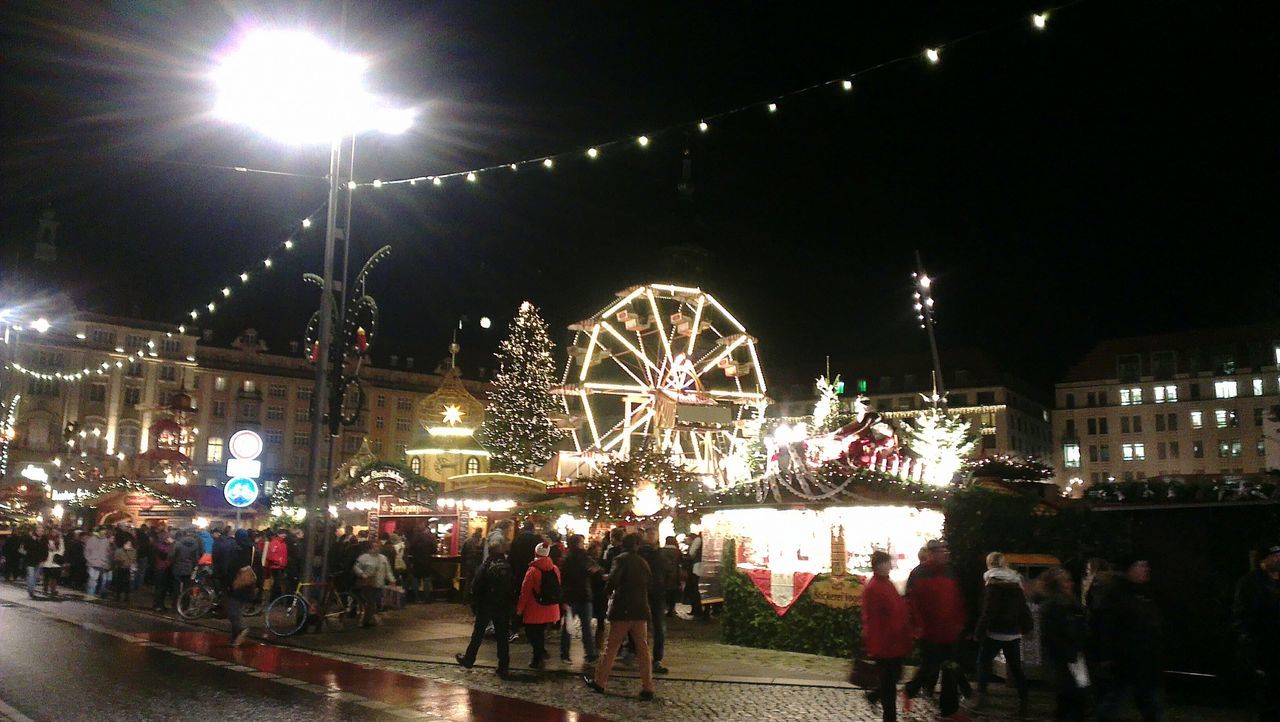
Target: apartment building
1198 402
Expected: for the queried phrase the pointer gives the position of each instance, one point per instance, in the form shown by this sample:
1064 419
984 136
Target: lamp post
924 312
296 88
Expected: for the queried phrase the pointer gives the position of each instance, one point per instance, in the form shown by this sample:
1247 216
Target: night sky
1112 175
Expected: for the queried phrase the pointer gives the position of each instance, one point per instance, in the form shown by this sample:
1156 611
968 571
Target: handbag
246 577
864 673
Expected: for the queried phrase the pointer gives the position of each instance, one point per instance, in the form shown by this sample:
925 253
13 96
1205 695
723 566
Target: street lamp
297 89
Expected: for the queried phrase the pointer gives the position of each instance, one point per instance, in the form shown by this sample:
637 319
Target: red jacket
886 630
528 608
936 604
277 556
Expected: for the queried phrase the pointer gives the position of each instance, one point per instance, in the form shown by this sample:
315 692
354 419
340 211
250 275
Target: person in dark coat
886 633
162 575
629 583
422 550
1004 619
230 555
13 555
1063 635
576 572
599 602
1126 631
671 550
937 614
472 555
660 578
522 548
493 598
78 573
1256 620
186 556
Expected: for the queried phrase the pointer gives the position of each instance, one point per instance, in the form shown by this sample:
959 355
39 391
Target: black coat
1004 610
185 554
628 587
522 551
575 576
1063 631
494 587
659 571
1125 627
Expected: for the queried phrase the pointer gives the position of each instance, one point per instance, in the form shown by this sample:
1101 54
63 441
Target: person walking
274 565
372 572
233 559
421 551
472 555
51 567
659 579
671 551
693 569
186 555
122 569
77 572
937 613
99 556
1063 633
599 602
539 605
1005 617
492 595
13 554
628 585
34 550
886 634
162 571
1256 620
500 533
1126 631
576 572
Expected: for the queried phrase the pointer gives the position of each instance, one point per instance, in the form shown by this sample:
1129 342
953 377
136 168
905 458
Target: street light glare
295 88
41 325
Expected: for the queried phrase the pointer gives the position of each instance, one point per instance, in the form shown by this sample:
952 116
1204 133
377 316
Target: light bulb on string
1039 20
846 84
351 185
226 292
377 183
643 141
306 222
592 152
514 167
266 262
548 163
244 278
471 177
195 315
773 107
931 54
702 126
436 181
288 245
211 308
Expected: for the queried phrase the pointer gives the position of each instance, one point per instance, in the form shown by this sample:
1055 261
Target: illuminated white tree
826 412
942 442
518 425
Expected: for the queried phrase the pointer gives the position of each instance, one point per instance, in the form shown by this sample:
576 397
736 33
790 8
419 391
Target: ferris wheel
671 367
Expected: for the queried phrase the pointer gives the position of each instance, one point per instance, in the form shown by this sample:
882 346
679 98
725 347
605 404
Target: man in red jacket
886 633
275 560
937 618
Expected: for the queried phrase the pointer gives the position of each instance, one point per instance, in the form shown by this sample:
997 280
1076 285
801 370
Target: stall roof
493 484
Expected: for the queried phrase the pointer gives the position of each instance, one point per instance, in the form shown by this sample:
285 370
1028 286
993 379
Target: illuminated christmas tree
942 441
826 412
518 425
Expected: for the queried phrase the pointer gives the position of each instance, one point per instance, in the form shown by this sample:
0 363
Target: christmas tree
942 441
283 495
518 426
826 412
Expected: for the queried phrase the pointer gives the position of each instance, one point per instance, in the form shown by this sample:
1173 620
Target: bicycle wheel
287 615
195 602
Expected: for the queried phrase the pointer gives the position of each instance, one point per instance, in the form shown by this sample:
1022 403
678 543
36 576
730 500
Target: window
473 465
213 452
1277 349
1159 422
1104 452
219 409
134 342
1163 364
1195 391
1161 450
1173 449
249 386
382 401
1134 452
165 398
277 391
1197 419
299 462
403 404
1092 426
1224 363
1124 424
1220 416
402 424
1237 449
1092 398
220 383
1131 397
127 440
168 373
1173 422
986 398
275 413
273 436
134 370
1129 367
304 393
376 445
1137 424
350 443
1197 449
302 415
102 337
170 345
1071 427
1262 447
1093 454
1071 456
1102 398
1071 401
1225 389
1257 387
904 403
98 393
379 422
132 395
958 399
1257 416
301 439
1102 426
400 449
1224 449
249 411
1165 394
415 465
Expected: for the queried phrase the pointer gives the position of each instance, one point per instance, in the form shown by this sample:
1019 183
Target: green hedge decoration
747 619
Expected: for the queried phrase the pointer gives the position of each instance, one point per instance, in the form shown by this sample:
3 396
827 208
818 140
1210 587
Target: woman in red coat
886 632
535 615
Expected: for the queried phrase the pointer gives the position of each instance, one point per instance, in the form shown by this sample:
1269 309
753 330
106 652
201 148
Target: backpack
549 592
495 581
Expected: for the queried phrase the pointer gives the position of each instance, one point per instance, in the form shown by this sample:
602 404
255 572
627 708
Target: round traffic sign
240 492
245 444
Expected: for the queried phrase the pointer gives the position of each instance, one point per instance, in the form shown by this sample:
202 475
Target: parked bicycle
313 604
202 595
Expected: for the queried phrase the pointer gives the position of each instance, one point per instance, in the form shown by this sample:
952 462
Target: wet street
73 660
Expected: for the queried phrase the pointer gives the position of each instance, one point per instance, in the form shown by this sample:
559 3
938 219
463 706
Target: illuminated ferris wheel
667 366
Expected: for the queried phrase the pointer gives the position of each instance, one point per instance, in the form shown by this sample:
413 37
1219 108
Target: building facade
119 394
1181 404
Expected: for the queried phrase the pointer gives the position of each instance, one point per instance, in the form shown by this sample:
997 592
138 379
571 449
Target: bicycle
313 603
202 595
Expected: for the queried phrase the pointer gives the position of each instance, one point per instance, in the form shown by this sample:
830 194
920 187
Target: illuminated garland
1153 491
1009 467
7 432
610 494
834 482
702 124
123 484
386 477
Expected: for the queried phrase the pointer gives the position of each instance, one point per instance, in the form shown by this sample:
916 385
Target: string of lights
703 124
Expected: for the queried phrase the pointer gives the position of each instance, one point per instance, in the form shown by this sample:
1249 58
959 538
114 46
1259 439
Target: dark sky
1115 174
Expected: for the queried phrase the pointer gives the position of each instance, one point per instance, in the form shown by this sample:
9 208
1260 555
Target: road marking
13 714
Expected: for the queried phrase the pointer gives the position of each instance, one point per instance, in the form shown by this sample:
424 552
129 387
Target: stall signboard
840 592
493 484
391 505
167 512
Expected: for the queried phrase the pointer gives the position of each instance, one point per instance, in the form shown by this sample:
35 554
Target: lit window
1225 389
415 465
250 386
1197 419
275 413
220 383
273 436
402 424
1257 387
213 453
1166 394
1262 447
382 401
277 391
1220 416
473 464
168 373
1071 456
1130 396
219 409
1134 452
